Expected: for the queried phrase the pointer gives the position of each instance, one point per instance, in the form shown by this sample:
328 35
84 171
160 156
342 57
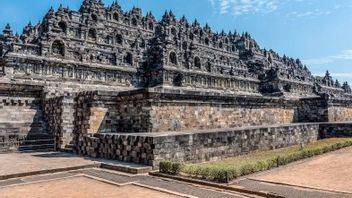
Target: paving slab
82 187
50 185
22 164
329 172
289 191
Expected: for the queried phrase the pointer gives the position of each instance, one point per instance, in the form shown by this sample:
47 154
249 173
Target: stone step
68 148
34 147
37 142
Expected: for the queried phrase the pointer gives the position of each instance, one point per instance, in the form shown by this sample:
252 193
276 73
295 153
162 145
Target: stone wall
111 112
158 110
177 116
340 110
59 114
337 129
200 146
313 110
324 109
340 114
22 121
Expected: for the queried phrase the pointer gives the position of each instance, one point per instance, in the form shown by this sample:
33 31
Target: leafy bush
229 169
170 167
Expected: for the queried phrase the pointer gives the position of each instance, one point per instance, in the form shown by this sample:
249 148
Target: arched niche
134 22
208 66
58 48
115 17
108 40
63 26
206 41
92 34
119 39
151 26
173 58
94 17
221 45
128 58
184 45
197 62
173 31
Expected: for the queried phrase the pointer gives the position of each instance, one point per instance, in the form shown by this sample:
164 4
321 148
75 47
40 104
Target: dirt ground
332 171
79 187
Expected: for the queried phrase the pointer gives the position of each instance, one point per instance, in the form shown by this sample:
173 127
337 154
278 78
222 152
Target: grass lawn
231 168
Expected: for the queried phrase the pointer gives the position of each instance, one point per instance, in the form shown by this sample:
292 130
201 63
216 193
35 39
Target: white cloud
212 2
240 7
344 55
244 7
311 13
342 75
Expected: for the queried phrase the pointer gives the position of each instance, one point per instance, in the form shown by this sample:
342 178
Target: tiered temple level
122 85
100 45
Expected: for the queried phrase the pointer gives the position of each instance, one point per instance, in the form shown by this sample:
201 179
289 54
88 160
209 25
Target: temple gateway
122 85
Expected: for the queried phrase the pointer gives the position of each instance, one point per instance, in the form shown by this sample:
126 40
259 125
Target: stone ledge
221 130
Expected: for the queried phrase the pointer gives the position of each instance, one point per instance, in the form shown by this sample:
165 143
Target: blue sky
319 32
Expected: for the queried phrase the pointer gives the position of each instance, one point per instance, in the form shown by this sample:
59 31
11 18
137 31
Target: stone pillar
67 124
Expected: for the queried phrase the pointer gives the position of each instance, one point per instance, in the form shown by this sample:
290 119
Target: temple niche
58 48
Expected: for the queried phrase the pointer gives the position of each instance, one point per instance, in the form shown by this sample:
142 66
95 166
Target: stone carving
154 53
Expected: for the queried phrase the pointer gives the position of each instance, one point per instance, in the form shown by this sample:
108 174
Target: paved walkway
324 176
82 187
54 174
22 163
332 171
68 184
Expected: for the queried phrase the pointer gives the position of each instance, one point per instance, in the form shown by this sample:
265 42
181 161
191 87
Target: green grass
231 168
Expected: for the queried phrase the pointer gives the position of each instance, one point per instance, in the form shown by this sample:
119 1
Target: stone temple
117 84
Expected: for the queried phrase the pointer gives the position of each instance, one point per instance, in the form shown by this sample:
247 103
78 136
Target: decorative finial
8 27
51 9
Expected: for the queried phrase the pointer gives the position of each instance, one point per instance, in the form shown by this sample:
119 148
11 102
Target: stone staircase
14 137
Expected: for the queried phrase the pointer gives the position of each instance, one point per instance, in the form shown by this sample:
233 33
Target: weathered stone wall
59 113
339 114
313 110
340 110
21 119
111 112
177 116
177 110
82 115
154 110
200 146
339 129
324 109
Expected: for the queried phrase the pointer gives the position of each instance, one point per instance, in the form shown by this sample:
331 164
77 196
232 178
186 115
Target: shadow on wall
22 123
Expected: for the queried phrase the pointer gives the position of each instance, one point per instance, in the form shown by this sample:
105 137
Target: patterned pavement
145 180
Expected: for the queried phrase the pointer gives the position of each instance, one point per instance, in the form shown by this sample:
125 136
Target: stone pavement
76 182
22 164
19 164
50 174
87 188
324 176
